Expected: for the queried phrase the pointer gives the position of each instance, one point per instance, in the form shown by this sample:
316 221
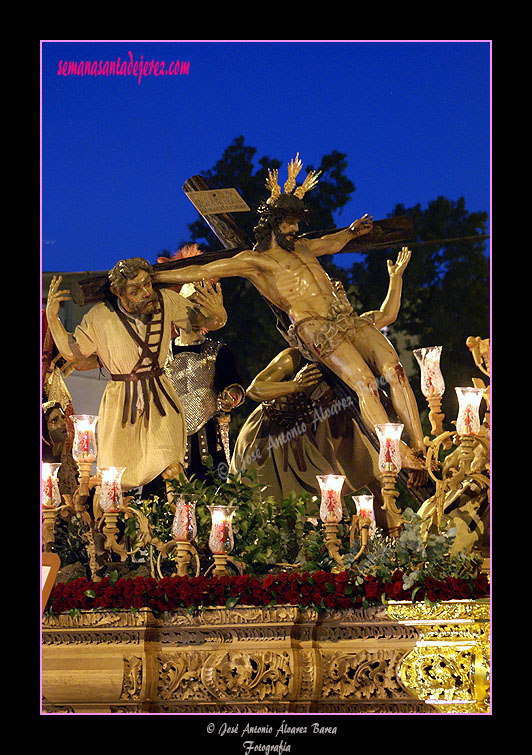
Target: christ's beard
285 241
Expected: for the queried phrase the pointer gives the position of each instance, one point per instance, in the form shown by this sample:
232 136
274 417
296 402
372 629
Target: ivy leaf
414 592
113 577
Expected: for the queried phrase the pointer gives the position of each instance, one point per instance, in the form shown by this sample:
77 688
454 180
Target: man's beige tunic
146 447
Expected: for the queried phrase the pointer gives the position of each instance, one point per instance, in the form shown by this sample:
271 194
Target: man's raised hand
55 297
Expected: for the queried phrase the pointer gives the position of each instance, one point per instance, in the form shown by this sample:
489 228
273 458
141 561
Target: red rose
292 597
371 589
464 590
481 586
446 592
397 589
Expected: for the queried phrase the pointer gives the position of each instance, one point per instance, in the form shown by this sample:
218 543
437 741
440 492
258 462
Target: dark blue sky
412 117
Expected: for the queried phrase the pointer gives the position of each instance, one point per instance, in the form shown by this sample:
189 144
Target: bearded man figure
141 423
284 268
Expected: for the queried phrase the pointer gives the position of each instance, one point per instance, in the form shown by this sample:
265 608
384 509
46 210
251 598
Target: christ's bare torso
293 281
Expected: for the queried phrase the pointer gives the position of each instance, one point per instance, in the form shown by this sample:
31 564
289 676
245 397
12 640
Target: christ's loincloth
317 337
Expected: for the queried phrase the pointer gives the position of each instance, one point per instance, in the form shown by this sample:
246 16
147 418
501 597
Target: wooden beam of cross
385 233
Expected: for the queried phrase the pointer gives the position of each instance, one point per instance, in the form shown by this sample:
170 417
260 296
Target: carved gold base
450 666
253 660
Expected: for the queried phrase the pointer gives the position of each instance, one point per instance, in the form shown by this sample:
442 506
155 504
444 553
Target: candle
51 497
184 527
364 508
111 488
468 420
221 536
432 382
389 435
84 447
331 498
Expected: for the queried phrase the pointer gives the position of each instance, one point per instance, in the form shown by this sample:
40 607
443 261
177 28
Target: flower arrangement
320 590
286 562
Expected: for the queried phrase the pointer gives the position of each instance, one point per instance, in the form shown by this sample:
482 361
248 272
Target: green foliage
71 540
235 169
409 553
268 534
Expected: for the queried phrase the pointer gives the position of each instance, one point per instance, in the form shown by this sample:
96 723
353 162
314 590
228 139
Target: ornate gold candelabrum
362 523
84 448
389 435
84 453
221 541
331 515
460 467
185 530
432 386
50 501
110 501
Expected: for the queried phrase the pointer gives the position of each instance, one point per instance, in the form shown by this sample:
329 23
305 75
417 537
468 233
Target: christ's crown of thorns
294 166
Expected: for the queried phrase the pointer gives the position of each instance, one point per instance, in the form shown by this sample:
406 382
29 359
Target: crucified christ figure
285 270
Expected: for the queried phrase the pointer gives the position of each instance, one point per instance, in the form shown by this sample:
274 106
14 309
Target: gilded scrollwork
132 682
261 675
439 674
446 611
449 668
179 676
402 657
363 675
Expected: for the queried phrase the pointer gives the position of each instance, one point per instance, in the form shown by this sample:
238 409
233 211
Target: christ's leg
347 363
377 350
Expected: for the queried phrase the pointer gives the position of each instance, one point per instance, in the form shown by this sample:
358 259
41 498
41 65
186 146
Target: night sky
413 117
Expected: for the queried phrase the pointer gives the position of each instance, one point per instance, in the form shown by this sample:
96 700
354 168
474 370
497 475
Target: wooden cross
385 233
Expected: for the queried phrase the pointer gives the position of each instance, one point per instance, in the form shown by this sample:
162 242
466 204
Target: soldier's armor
192 375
